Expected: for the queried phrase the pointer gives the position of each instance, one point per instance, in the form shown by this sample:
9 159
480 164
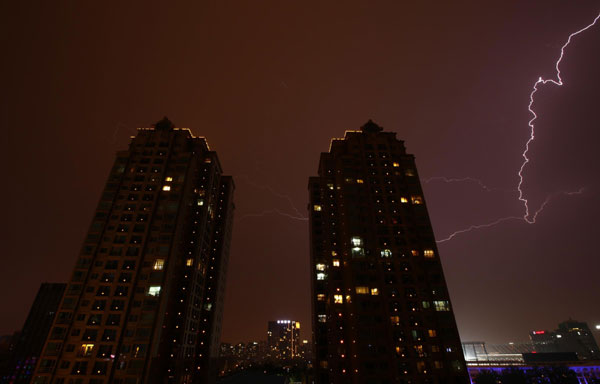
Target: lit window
86 349
395 319
322 318
386 253
357 241
159 264
333 253
362 290
317 208
348 299
374 291
349 180
416 199
200 202
414 252
437 364
396 164
330 186
409 172
425 304
168 178
321 276
320 267
336 263
403 200
441 305
338 299
154 290
428 253
321 297
189 262
432 333
360 181
166 188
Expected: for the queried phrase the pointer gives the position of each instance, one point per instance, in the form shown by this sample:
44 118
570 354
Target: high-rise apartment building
283 339
381 309
144 301
31 339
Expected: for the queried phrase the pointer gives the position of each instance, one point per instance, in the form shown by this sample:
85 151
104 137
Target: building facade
283 339
571 336
144 301
381 309
30 341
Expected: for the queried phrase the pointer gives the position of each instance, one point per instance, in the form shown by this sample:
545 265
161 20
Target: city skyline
463 114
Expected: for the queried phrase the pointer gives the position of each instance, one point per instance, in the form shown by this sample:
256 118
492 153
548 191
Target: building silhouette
144 302
571 336
30 341
381 309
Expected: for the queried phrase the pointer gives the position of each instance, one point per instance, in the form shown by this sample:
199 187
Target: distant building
381 308
571 336
145 300
283 339
29 344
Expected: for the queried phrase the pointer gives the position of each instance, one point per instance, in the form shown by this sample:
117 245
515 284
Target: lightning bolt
273 212
449 180
519 218
558 82
527 217
296 216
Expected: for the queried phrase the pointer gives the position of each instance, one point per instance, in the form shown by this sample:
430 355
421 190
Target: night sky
269 83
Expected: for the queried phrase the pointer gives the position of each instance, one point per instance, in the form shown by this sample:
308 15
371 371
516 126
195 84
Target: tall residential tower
381 309
145 299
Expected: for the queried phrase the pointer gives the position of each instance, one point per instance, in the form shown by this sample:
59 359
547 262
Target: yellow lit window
330 186
396 164
189 262
297 325
321 276
166 188
395 319
432 333
360 181
200 202
159 264
386 253
333 253
321 297
320 267
416 199
86 349
348 299
403 200
168 178
338 299
414 252
362 290
374 291
441 305
336 263
428 253
317 208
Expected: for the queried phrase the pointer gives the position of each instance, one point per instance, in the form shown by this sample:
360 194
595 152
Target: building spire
370 126
164 125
